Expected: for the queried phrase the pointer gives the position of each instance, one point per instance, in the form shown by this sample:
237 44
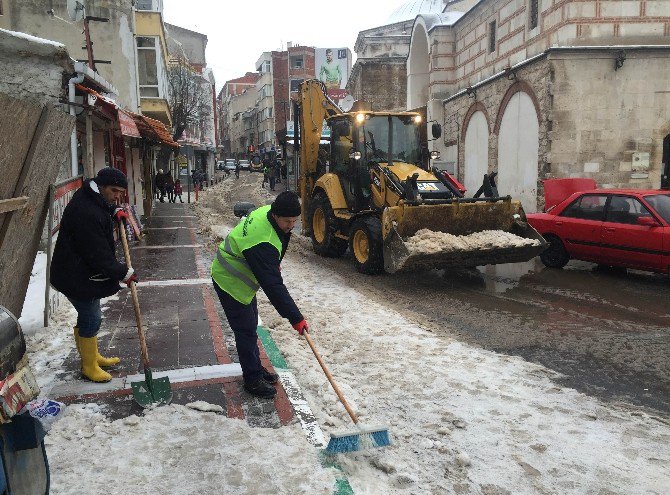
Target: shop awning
132 124
154 130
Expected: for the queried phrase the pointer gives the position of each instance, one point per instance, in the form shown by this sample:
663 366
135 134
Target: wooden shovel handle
339 393
136 302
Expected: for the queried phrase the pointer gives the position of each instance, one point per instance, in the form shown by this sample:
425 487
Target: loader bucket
401 223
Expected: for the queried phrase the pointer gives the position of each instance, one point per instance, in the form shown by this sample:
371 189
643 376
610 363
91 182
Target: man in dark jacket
84 266
248 259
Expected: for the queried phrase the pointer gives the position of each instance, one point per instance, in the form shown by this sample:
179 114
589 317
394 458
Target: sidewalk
187 333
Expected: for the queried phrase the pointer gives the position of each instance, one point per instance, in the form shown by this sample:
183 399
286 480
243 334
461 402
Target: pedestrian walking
161 183
248 259
169 187
266 176
277 170
237 170
84 267
177 191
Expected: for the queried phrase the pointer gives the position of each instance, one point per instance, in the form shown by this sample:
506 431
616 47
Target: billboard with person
333 66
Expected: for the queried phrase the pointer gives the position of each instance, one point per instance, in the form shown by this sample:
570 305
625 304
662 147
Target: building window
532 14
265 67
148 66
295 85
150 5
297 62
492 36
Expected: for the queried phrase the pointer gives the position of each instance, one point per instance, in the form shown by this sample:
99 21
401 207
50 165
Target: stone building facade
535 89
381 55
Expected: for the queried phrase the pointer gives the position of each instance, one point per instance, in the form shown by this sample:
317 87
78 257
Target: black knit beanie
109 176
287 204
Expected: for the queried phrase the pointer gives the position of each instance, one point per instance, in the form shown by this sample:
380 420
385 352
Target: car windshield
374 139
244 161
660 203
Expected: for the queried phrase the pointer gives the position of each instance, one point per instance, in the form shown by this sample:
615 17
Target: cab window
624 209
587 207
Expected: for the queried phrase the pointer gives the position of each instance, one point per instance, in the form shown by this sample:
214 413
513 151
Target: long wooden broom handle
339 393
136 302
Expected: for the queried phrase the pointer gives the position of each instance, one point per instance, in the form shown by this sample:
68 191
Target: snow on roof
412 8
432 20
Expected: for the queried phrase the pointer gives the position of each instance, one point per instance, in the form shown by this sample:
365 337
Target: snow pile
462 419
176 450
427 241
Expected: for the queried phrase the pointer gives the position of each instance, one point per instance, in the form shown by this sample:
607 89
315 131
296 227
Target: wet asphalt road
606 332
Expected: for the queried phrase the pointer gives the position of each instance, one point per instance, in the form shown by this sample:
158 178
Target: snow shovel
152 391
352 440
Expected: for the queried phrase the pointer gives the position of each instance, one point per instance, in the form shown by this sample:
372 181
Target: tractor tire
324 226
555 256
365 242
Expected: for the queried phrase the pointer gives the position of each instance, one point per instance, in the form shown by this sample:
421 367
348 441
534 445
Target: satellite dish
76 10
346 103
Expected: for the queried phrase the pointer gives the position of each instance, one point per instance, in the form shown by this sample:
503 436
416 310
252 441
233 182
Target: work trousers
243 320
89 316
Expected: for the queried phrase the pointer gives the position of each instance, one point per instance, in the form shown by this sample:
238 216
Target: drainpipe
77 79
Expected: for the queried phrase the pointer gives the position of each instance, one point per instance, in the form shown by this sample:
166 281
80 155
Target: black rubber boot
260 388
271 378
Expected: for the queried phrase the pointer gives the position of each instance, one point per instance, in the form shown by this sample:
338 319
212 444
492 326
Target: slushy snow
427 241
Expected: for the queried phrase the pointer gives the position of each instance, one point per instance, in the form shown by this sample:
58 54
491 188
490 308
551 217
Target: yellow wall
157 108
150 24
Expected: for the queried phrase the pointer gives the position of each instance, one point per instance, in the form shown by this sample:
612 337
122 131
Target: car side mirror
243 209
647 222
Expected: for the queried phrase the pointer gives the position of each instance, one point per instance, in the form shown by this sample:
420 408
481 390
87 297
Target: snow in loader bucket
457 235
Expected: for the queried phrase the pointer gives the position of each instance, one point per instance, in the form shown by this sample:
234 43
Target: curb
302 409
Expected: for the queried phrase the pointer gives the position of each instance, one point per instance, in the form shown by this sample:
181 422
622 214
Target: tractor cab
364 143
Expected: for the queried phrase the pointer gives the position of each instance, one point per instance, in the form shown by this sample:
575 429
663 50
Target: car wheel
365 242
324 226
555 256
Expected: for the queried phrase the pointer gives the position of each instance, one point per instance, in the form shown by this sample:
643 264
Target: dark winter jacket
84 264
264 262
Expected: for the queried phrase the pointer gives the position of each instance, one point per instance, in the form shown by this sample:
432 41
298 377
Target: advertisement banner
60 195
333 66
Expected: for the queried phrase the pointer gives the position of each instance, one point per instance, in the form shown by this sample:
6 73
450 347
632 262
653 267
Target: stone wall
380 82
112 40
535 80
595 122
609 124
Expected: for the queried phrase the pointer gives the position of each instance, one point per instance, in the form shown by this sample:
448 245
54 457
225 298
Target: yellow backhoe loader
371 189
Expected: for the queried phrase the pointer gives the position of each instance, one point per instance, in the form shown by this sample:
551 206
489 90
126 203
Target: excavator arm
314 106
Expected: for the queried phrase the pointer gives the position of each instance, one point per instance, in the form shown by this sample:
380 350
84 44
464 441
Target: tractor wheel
365 242
324 226
555 256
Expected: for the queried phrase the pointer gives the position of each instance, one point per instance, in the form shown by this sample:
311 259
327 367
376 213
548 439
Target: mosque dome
409 10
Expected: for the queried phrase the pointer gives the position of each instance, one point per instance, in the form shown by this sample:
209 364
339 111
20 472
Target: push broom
353 440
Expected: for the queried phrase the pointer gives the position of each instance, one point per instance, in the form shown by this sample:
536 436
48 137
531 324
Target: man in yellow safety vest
248 259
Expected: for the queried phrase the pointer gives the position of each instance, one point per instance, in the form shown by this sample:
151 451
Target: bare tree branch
189 96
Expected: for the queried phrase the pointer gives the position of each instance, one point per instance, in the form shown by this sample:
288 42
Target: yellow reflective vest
230 270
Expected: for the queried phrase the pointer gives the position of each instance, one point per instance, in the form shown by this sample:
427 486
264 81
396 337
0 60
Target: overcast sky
238 32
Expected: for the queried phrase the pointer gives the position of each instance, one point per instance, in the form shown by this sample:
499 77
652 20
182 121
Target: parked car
244 164
229 165
613 227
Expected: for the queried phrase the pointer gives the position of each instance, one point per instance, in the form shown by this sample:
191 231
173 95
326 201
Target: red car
613 227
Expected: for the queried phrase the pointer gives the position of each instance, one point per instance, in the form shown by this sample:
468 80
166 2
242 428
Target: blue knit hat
109 176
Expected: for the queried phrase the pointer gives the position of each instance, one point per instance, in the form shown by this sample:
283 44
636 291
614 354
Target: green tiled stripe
342 486
271 349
